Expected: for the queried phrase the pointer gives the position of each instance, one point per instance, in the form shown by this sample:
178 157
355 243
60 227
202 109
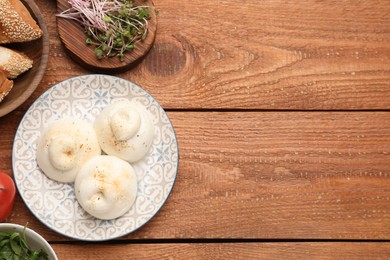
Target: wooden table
281 110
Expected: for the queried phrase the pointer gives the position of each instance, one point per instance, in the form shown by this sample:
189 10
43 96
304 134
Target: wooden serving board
73 38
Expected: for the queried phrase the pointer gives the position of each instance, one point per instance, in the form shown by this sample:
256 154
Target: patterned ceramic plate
54 203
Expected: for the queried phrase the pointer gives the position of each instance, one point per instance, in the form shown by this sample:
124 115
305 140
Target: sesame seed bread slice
14 62
16 23
5 84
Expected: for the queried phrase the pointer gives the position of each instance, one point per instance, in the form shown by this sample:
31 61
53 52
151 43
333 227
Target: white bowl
34 240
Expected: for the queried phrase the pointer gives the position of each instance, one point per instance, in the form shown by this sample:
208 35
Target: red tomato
7 195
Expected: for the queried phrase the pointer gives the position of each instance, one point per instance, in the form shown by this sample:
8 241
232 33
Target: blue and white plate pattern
54 203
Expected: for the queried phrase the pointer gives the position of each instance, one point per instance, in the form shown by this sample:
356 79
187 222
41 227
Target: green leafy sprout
113 27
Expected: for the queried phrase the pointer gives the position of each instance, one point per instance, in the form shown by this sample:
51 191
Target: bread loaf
16 23
13 62
5 84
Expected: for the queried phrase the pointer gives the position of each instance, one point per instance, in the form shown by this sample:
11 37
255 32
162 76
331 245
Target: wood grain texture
301 55
306 175
246 172
227 251
38 52
73 37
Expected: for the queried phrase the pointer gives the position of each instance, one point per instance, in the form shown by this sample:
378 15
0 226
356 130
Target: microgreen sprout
113 27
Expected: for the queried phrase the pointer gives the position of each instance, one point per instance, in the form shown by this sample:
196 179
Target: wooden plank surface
305 55
228 251
306 175
281 109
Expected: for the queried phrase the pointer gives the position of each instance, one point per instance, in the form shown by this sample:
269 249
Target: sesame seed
5 84
16 64
13 28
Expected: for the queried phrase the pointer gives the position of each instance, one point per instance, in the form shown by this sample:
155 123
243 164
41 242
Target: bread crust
5 84
16 23
14 62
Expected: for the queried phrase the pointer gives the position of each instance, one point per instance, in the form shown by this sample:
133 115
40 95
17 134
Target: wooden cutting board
73 38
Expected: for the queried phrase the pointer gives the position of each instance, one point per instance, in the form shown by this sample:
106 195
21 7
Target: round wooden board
38 51
73 38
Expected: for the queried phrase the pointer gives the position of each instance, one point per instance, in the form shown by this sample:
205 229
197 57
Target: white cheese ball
64 146
125 130
106 187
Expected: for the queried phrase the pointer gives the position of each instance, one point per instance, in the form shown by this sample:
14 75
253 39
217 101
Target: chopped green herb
13 245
